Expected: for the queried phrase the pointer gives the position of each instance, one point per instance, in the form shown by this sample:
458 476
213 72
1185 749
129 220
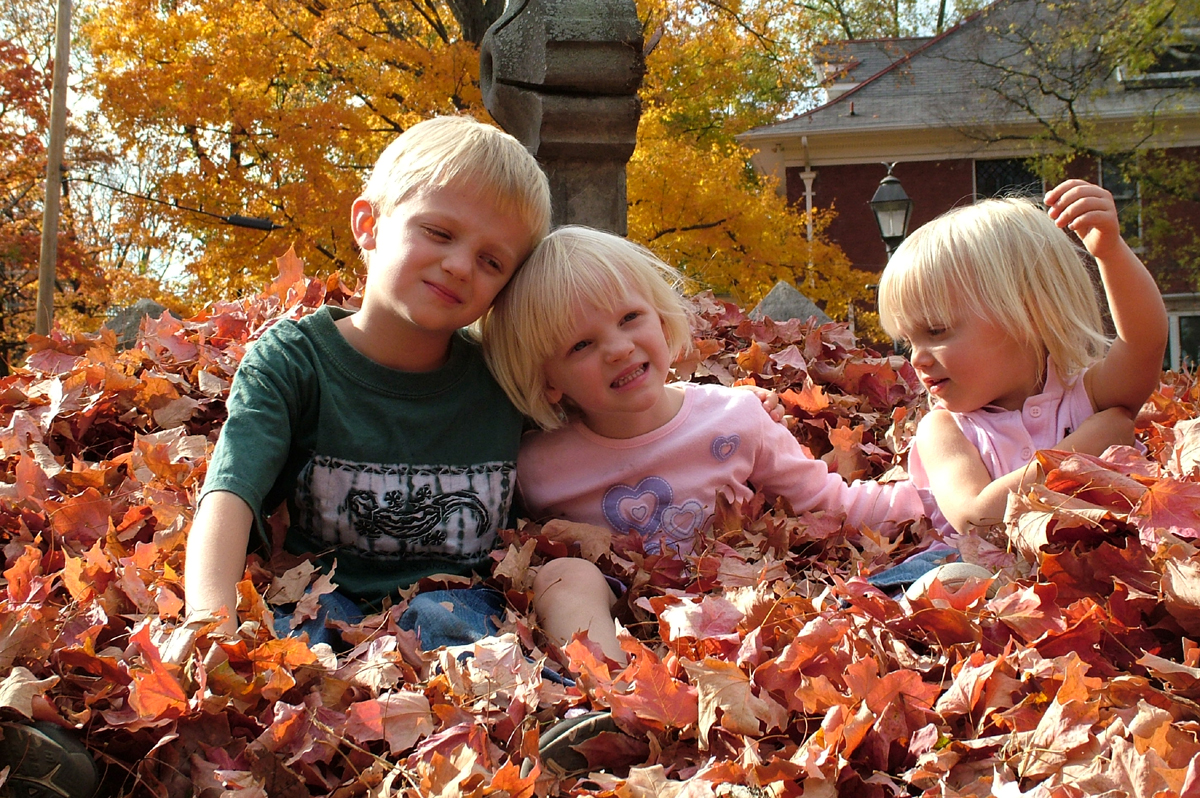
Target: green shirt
395 475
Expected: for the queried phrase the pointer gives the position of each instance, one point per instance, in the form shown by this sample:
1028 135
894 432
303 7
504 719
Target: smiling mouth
444 293
629 377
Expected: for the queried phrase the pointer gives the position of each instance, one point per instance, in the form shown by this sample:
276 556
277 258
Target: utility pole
54 153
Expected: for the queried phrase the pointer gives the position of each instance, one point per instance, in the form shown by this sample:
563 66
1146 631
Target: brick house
955 117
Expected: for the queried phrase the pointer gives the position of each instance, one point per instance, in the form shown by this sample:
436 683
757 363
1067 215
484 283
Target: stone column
562 77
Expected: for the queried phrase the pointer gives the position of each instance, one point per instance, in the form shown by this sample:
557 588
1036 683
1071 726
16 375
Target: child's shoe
44 761
952 576
557 744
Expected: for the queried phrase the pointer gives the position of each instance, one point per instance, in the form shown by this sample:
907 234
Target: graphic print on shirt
724 446
647 510
387 512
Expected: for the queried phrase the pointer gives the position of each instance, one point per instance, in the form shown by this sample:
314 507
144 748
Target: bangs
915 292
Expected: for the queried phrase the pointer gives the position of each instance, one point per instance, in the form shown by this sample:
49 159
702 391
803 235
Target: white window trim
1178 305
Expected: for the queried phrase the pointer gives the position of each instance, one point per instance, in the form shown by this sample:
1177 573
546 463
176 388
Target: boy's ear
362 223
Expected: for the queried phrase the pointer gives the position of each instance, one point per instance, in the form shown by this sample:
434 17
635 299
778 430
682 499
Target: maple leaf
1181 593
655 699
708 616
726 687
291 273
20 687
1171 506
400 718
753 359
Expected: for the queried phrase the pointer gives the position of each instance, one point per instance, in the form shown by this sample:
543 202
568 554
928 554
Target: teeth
629 377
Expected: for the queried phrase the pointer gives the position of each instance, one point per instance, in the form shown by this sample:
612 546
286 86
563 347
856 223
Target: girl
582 341
1003 323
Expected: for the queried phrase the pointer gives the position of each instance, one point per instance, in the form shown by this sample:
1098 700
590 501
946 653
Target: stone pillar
562 77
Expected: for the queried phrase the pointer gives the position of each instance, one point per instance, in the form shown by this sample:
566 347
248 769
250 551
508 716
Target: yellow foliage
277 109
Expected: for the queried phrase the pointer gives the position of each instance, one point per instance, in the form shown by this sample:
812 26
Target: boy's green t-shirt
395 475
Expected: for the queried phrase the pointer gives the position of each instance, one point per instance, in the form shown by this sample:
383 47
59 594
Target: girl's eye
934 332
902 346
630 316
579 347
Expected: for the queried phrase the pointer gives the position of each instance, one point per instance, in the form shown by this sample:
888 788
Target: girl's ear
553 395
362 223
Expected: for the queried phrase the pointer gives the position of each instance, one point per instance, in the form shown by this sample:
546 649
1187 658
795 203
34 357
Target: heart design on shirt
723 446
683 520
637 509
680 525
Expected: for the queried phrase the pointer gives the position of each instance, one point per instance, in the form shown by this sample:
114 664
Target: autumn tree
24 106
320 89
713 71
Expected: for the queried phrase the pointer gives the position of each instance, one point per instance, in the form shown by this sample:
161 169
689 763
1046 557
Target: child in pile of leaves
1004 327
583 340
368 423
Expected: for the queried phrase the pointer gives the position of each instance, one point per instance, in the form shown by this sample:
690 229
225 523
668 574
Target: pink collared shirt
1007 439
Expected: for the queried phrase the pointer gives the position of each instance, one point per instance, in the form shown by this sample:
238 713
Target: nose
920 355
617 346
457 264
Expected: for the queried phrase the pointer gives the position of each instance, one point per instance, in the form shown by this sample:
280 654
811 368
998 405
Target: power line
235 219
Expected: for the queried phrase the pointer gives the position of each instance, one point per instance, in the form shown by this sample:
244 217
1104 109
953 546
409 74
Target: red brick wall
935 187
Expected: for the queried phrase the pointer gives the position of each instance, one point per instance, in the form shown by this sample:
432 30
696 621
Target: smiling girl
582 340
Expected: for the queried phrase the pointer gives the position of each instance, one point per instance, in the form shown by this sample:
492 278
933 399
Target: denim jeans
333 606
903 574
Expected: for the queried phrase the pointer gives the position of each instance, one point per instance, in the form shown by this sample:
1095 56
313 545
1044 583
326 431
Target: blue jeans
453 617
903 574
333 606
459 617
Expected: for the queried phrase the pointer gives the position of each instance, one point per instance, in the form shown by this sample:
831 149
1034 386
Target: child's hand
1089 212
770 401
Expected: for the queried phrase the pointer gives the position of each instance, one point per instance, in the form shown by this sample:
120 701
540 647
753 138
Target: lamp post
893 209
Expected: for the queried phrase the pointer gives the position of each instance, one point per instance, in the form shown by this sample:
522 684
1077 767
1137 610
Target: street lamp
892 209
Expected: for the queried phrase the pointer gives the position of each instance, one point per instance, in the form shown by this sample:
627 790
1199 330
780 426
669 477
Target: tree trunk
475 16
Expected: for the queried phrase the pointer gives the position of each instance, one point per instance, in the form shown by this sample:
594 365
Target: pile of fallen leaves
763 665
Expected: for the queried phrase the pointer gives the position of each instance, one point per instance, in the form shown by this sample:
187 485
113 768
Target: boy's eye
437 233
494 265
934 332
903 346
630 316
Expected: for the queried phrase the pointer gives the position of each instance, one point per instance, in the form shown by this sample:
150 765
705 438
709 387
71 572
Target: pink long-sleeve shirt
663 484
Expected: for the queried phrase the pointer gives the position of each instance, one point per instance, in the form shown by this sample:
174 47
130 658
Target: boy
383 429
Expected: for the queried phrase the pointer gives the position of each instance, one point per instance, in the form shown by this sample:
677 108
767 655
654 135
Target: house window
1125 194
1183 341
1177 66
1006 177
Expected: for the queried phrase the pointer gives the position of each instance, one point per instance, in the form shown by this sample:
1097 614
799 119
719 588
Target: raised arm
965 491
216 557
1132 368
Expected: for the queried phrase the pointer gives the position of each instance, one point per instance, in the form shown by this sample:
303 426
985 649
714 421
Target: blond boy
383 429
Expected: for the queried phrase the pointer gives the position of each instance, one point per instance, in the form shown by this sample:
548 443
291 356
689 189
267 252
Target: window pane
1189 341
1006 177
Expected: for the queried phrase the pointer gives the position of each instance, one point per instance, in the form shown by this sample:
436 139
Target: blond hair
1004 261
448 149
531 318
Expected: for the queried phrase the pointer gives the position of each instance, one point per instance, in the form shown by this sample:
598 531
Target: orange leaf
291 272
753 359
